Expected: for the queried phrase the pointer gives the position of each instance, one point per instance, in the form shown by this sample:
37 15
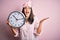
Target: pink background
41 8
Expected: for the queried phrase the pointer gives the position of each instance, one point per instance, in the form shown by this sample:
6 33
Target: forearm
40 25
39 28
15 31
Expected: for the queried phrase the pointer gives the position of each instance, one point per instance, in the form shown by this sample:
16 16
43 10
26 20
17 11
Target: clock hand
19 19
15 17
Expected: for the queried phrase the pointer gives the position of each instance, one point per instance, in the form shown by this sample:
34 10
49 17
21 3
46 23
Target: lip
27 12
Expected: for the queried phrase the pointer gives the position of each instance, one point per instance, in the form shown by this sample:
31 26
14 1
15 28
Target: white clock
16 19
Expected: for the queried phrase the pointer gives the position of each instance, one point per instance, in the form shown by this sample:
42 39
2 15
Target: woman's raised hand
44 19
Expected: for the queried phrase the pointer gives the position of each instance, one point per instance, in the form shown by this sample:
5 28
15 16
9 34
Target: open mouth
27 12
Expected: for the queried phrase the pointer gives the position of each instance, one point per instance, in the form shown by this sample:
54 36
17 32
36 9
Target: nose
26 9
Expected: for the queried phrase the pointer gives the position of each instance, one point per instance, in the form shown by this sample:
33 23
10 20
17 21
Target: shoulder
36 18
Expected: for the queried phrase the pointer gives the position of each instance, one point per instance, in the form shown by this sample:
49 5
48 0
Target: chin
27 16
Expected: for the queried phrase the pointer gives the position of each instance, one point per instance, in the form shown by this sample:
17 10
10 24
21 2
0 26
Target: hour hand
15 17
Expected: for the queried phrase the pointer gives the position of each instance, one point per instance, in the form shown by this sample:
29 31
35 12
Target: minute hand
19 19
15 17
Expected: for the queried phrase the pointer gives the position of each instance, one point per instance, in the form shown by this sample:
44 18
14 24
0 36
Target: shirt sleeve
36 24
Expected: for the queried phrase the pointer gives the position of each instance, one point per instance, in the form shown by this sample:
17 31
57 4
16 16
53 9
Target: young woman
32 27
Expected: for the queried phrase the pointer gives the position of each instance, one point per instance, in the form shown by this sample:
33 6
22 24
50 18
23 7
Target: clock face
16 19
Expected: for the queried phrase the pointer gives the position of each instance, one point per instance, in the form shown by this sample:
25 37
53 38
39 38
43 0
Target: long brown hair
31 16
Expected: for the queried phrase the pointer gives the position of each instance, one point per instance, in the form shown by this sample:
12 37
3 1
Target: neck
26 19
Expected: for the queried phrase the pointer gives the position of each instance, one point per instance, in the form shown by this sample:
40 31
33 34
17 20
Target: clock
16 19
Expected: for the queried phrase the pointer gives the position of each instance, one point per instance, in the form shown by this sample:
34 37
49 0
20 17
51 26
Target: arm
40 25
14 30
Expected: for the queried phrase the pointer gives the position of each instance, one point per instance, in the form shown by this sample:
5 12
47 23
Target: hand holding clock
16 19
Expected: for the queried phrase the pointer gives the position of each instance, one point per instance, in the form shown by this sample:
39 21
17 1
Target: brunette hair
31 16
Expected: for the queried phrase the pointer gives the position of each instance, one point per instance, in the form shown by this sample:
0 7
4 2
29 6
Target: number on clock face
16 19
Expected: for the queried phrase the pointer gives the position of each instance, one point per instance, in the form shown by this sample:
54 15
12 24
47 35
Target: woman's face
27 11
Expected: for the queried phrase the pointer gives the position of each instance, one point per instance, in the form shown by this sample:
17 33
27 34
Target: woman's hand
7 22
14 30
44 19
40 25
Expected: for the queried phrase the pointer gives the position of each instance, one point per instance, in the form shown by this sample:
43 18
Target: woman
32 27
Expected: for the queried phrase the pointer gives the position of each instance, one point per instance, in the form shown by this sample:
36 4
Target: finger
46 18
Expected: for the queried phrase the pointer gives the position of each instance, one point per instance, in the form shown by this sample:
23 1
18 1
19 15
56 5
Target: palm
44 19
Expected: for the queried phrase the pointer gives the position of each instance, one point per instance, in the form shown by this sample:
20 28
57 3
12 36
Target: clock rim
21 14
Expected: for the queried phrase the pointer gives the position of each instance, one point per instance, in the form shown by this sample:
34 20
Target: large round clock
16 19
